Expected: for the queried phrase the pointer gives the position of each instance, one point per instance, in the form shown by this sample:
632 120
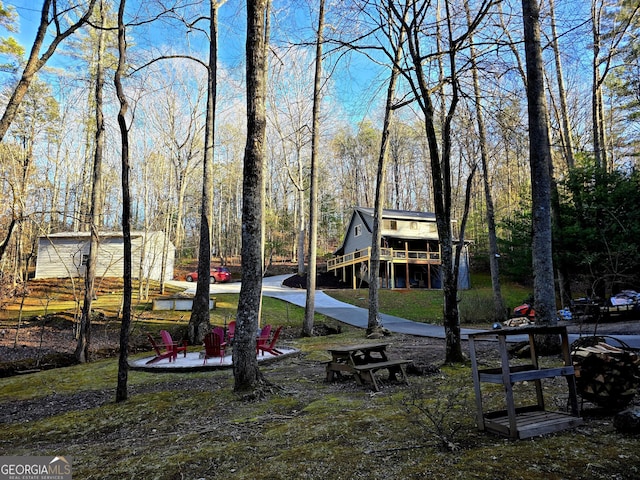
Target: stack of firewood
606 375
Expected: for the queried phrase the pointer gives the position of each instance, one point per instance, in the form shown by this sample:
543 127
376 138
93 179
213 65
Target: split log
606 375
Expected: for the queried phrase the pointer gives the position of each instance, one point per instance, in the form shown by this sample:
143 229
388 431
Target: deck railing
386 254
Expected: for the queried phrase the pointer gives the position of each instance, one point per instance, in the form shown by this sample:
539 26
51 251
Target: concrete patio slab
195 362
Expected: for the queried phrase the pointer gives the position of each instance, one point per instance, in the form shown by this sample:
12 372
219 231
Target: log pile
606 375
518 322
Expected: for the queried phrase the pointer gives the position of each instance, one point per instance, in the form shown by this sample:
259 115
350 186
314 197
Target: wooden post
406 264
393 270
428 265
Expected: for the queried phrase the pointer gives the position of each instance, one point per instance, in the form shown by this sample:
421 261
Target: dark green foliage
515 247
601 224
600 237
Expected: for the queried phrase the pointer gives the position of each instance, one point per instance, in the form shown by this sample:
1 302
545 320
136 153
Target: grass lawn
420 305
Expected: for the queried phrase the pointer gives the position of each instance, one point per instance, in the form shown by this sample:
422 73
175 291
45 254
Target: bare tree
309 311
606 47
373 321
494 267
567 135
38 114
245 364
439 138
290 119
199 322
84 332
50 15
123 364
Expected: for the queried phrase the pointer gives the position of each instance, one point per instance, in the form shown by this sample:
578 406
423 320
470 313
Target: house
409 254
63 255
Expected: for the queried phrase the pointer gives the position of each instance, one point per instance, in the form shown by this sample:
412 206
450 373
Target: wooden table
362 361
524 421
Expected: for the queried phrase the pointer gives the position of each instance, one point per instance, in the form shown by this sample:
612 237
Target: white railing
349 259
387 254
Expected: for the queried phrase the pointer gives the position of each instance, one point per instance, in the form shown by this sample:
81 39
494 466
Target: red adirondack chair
231 331
263 338
160 355
214 345
170 345
270 346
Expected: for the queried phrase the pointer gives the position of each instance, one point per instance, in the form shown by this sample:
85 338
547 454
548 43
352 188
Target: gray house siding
62 255
358 234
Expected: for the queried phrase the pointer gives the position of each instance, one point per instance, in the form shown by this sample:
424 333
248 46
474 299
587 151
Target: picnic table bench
363 361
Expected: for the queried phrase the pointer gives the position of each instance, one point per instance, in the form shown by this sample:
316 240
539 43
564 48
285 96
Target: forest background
593 92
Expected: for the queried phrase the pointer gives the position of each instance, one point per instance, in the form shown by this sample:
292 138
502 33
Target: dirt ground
46 341
38 338
35 341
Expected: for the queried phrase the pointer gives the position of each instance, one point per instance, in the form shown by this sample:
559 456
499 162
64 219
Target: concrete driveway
356 316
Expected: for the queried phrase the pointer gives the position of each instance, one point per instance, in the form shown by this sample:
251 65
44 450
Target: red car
217 274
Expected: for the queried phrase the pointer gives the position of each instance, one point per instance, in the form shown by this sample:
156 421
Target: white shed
62 255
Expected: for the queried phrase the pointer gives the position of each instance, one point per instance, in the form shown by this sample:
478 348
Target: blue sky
358 83
355 81
29 17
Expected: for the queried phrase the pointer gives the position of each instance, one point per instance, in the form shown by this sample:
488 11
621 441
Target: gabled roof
388 214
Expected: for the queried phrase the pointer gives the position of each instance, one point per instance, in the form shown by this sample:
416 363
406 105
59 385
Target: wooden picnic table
362 361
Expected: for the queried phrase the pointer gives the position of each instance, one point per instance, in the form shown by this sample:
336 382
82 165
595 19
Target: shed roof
88 234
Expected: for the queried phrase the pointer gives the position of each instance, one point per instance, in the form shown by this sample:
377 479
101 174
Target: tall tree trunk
596 90
373 319
301 222
84 332
500 313
564 110
123 364
199 323
540 162
309 311
245 364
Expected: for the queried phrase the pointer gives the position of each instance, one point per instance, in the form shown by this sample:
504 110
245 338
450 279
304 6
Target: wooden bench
366 373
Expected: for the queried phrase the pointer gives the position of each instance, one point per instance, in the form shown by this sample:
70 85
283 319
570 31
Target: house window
414 225
85 259
390 224
357 230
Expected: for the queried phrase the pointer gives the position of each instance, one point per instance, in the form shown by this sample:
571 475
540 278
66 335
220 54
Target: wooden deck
386 255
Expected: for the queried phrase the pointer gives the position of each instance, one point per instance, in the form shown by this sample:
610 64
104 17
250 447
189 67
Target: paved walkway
356 316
